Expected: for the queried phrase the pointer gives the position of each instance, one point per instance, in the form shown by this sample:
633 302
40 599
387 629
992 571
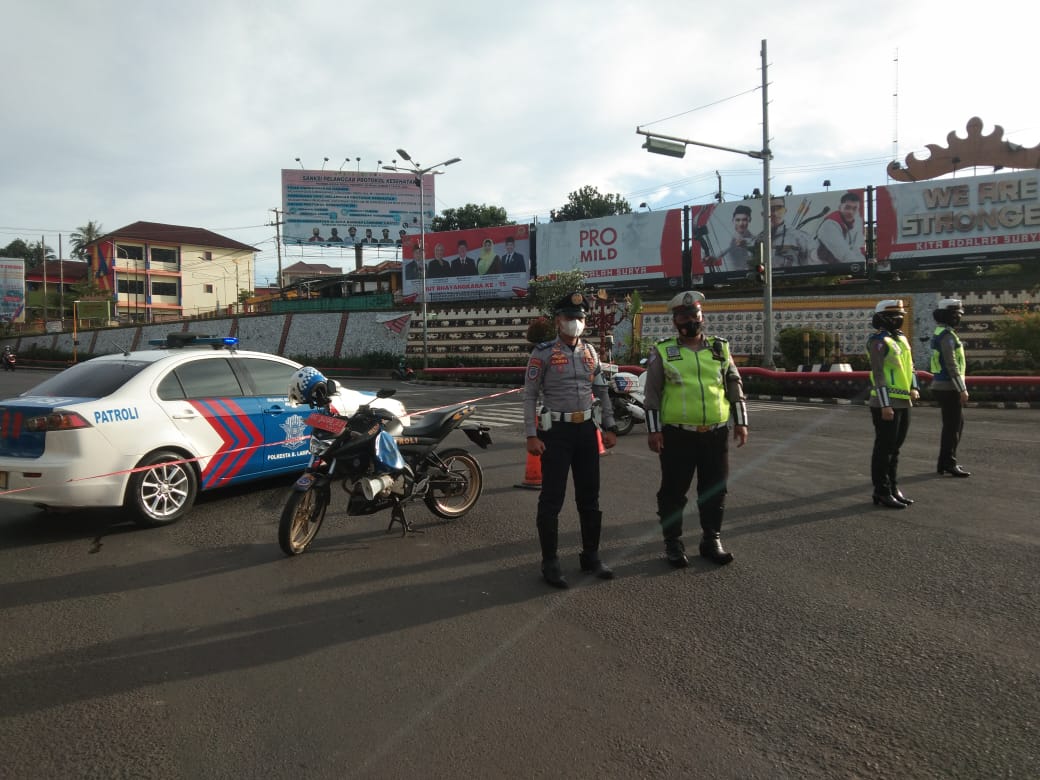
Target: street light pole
673 146
419 172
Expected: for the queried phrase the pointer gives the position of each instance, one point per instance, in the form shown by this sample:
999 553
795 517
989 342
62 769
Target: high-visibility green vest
938 366
898 366
694 391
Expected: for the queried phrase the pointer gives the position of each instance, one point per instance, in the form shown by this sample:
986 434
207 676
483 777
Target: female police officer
893 389
948 387
691 386
566 374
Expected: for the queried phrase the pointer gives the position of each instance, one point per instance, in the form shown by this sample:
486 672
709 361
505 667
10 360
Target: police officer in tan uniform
692 389
563 378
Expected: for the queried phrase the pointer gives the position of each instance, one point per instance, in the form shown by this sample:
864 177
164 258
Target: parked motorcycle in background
379 462
9 359
626 397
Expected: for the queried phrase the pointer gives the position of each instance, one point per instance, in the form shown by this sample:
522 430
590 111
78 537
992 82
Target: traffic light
760 273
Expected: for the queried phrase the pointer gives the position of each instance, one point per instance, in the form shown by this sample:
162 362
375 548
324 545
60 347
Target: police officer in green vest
948 387
893 389
692 389
563 378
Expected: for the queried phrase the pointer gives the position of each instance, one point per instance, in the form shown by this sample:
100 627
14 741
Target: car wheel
164 492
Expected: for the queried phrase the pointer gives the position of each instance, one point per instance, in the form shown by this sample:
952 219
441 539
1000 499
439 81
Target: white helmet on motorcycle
309 386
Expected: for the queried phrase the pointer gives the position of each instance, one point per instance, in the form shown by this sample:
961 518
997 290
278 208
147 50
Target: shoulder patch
534 368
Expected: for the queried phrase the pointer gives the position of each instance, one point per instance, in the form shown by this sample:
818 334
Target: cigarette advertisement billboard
641 249
333 208
469 264
12 288
814 234
922 224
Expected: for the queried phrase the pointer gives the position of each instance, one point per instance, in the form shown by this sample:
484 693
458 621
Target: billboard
469 264
12 288
333 208
627 250
814 234
922 224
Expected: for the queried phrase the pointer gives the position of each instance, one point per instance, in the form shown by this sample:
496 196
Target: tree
87 234
1020 334
470 216
33 254
589 203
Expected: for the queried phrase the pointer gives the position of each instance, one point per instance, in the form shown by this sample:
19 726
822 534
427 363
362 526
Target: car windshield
93 379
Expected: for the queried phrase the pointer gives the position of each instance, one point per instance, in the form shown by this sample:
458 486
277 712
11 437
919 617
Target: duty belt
571 417
698 428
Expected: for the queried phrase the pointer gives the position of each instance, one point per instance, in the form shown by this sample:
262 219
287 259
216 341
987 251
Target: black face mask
688 329
893 324
955 319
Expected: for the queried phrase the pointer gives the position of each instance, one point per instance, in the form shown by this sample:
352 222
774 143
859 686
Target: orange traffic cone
532 474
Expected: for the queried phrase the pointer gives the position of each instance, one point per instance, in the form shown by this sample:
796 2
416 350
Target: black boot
955 471
552 574
591 524
897 494
888 500
675 552
591 564
711 548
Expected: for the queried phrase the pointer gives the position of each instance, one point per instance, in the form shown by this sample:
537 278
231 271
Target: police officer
692 387
893 389
948 387
566 373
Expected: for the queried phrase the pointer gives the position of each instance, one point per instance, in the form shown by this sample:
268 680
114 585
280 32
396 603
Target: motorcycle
403 372
626 392
382 464
9 359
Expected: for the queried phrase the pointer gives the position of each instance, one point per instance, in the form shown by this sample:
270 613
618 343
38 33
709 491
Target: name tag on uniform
673 352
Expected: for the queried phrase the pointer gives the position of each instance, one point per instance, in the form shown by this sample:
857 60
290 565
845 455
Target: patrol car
147 430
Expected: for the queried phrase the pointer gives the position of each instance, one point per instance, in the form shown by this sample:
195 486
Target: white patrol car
148 429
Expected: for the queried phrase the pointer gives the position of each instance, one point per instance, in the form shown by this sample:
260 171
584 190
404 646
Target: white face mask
572 328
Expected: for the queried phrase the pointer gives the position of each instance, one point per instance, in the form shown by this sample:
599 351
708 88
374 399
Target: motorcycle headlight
318 446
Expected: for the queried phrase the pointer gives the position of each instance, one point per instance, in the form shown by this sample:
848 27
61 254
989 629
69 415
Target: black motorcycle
380 464
9 359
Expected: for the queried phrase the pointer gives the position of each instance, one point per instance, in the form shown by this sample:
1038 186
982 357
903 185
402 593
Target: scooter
9 359
403 372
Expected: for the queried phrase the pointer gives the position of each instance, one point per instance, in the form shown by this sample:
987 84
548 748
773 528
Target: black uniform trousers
569 448
686 453
952 426
889 436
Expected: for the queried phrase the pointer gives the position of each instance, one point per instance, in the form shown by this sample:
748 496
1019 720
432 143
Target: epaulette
666 338
546 344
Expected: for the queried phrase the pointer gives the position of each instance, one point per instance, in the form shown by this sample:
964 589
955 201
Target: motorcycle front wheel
455 486
301 519
623 419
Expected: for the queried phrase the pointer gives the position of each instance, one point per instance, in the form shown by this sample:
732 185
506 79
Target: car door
221 420
285 433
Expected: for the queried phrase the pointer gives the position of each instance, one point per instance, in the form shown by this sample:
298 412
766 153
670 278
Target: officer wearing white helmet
565 375
948 386
692 389
893 389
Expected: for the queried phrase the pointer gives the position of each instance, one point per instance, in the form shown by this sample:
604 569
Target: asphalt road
844 641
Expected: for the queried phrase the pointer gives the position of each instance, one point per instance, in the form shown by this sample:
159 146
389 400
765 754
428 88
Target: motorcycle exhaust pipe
637 412
373 486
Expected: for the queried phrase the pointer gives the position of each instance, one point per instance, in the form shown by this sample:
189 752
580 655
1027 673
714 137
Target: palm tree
87 234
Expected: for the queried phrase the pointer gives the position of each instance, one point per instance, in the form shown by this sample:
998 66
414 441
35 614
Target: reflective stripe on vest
695 385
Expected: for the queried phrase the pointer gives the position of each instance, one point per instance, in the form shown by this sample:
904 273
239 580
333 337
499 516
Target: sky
185 113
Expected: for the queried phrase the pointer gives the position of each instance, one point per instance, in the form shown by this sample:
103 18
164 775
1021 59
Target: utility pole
767 231
61 284
278 241
43 265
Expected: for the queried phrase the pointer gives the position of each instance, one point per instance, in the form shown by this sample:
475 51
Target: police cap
572 304
687 302
890 306
952 304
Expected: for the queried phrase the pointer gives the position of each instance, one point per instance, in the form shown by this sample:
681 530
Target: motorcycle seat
430 424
